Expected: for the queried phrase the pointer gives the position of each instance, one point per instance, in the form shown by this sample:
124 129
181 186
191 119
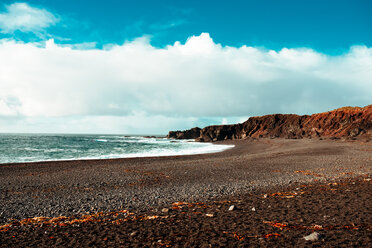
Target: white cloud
23 17
136 123
174 87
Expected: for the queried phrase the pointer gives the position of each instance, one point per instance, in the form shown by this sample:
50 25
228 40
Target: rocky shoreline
145 186
347 122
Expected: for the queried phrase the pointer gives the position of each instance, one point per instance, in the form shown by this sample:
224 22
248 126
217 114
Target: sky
147 67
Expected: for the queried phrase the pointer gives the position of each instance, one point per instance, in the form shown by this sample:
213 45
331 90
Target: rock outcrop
192 133
347 122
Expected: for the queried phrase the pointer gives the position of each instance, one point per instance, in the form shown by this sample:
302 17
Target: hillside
346 122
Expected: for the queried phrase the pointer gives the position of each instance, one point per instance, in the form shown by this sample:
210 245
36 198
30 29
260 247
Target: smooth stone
313 237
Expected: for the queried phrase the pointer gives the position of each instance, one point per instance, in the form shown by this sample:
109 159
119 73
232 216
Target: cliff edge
346 122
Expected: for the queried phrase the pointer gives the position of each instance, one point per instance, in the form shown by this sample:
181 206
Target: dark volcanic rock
192 133
222 132
347 122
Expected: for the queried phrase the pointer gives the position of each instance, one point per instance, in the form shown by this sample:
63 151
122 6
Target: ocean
18 148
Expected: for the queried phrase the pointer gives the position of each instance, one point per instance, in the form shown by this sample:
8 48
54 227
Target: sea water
16 148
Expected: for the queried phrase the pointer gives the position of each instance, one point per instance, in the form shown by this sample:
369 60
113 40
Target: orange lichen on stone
180 203
242 237
281 226
34 220
269 235
276 224
285 194
310 173
238 237
64 221
150 217
5 227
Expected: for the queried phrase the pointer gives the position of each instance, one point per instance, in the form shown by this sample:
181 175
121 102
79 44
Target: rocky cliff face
347 122
192 133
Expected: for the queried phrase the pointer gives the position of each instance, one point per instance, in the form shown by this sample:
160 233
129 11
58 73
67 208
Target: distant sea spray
18 148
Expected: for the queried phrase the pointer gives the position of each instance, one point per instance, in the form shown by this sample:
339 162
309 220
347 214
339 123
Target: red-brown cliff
346 122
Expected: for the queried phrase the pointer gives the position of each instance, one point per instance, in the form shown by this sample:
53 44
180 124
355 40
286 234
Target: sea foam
17 148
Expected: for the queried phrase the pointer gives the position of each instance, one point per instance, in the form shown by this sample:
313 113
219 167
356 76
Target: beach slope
184 200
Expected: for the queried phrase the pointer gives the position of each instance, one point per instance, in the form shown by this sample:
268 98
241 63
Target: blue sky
152 66
330 26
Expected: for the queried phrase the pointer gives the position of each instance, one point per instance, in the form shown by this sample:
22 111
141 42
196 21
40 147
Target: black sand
211 183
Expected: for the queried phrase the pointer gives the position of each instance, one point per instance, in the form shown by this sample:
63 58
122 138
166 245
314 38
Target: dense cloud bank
179 83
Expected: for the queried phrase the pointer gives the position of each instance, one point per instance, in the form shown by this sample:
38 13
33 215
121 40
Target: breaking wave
17 148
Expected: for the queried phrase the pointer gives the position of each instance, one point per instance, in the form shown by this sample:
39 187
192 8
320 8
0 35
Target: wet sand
119 202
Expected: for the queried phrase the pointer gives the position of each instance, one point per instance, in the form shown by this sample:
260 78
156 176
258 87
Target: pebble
66 200
253 209
165 210
313 237
231 208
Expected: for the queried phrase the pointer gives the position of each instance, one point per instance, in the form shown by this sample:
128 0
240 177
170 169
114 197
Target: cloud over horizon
136 83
